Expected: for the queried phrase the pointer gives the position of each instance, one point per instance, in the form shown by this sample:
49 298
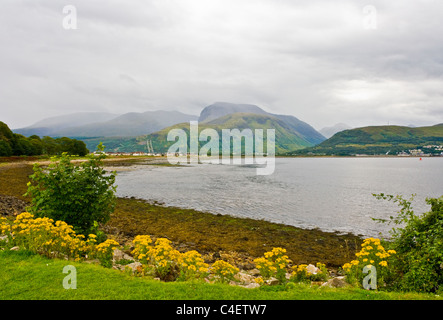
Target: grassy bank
28 277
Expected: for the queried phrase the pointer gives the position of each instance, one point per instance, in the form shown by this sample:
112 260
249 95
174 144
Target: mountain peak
220 109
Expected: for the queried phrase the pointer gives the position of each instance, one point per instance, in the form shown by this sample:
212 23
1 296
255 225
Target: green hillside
378 140
286 138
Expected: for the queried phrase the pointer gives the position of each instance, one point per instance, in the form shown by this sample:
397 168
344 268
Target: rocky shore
10 205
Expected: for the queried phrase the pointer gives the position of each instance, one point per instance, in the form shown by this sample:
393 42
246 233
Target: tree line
13 144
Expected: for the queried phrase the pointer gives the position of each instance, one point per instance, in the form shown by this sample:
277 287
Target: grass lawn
24 276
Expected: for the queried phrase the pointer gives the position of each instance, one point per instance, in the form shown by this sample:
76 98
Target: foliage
223 271
302 273
372 253
22 277
82 195
164 258
192 266
105 251
53 239
273 264
419 245
13 144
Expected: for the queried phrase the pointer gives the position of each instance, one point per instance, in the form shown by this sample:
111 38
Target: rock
10 205
16 248
133 266
312 269
337 282
247 266
119 255
244 277
272 281
251 285
254 272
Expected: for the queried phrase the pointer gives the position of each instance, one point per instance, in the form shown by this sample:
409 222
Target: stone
337 282
244 277
254 272
272 281
251 285
119 255
133 266
312 269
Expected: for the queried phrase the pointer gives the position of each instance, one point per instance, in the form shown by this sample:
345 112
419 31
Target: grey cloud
312 59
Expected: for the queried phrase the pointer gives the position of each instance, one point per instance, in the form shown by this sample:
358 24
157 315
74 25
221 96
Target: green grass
25 276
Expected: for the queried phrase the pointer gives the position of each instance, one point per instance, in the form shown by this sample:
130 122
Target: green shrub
82 195
419 245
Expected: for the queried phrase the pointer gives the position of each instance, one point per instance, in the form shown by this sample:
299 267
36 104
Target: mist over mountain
130 124
106 124
50 126
330 131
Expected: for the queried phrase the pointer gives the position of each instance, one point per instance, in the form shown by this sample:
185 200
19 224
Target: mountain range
96 124
128 132
375 140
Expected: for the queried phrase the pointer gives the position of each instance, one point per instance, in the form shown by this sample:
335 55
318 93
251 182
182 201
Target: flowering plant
273 263
372 253
224 271
302 273
192 265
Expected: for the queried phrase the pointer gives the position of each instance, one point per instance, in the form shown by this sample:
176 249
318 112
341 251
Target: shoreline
210 234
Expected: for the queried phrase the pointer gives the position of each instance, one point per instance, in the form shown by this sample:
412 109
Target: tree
82 195
418 242
5 149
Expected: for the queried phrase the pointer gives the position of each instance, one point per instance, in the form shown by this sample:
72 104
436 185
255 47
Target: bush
273 264
223 271
81 195
419 245
301 273
372 253
53 239
192 266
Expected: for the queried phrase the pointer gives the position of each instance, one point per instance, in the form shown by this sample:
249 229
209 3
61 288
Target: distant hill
220 109
286 138
378 140
51 126
130 124
330 131
106 125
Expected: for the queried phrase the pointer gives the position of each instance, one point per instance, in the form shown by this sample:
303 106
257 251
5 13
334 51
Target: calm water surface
333 194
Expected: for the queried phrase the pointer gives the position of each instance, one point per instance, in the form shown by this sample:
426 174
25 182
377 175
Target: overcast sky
324 62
